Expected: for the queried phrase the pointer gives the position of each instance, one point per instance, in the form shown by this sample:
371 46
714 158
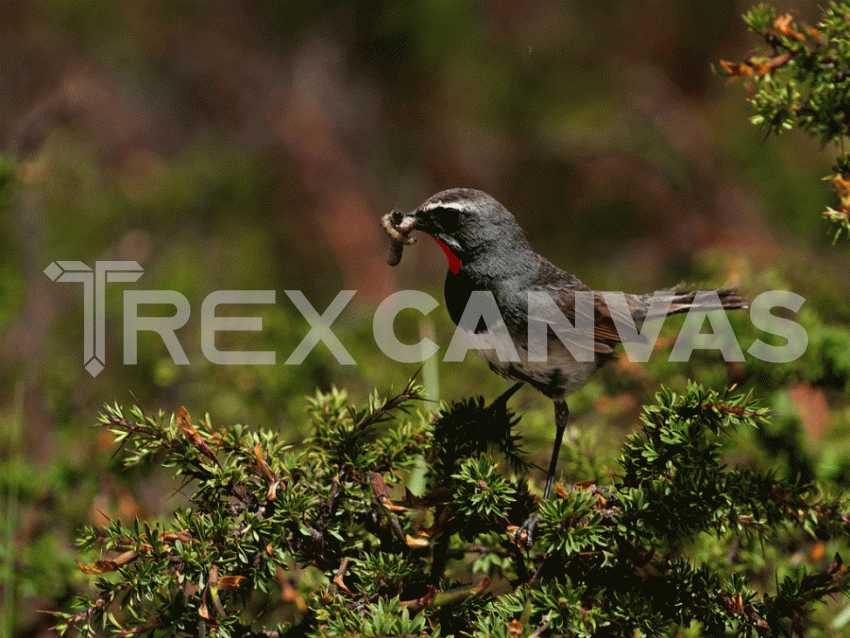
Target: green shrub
312 542
800 78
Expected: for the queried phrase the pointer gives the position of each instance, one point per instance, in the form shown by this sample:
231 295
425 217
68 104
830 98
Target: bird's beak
407 223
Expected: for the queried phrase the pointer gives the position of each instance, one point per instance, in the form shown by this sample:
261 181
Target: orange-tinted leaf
842 185
341 585
737 603
421 603
230 582
102 565
415 542
815 35
184 424
288 592
272 492
395 508
183 537
783 25
90 569
483 586
737 69
261 462
379 487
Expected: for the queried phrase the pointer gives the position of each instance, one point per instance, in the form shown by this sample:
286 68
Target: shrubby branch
800 78
322 541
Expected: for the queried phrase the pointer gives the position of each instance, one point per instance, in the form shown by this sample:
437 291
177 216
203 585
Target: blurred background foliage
254 145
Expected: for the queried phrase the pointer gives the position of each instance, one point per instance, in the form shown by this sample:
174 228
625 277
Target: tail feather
728 297
641 309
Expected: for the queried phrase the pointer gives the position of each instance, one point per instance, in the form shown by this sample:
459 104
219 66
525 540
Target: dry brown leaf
415 542
783 25
230 582
184 424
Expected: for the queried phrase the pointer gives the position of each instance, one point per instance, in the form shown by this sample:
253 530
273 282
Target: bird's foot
525 533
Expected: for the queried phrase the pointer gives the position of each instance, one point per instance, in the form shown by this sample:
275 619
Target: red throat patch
454 260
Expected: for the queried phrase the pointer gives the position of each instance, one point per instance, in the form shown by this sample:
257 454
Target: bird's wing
563 288
605 333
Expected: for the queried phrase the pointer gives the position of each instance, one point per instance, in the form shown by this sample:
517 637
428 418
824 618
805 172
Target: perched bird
488 251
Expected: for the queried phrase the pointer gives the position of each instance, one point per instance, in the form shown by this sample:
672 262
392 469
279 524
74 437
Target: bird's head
467 224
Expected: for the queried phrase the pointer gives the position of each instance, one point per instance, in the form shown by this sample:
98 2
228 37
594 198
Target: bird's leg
562 413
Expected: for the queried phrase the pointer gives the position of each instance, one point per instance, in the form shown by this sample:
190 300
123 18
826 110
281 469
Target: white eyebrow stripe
441 204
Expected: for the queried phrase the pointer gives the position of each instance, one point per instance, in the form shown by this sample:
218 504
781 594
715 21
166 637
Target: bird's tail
705 301
728 297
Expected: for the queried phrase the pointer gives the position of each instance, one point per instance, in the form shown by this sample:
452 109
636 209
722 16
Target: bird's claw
525 533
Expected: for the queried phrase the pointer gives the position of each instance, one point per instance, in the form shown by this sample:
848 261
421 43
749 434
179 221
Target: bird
488 252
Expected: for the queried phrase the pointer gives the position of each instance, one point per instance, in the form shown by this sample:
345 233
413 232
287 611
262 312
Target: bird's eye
449 218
